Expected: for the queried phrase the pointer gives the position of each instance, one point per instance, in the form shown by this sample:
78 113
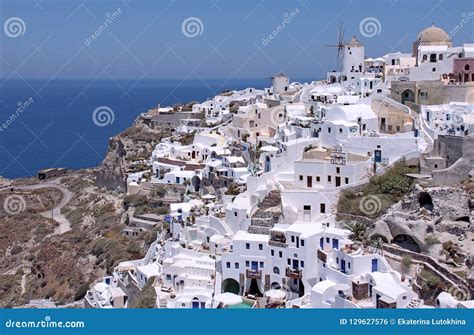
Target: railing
295 274
254 274
322 256
277 244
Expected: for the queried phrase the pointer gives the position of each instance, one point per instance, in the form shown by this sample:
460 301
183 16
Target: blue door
335 243
255 266
343 266
374 264
321 242
195 303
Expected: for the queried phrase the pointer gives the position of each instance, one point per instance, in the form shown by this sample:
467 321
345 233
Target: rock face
134 144
426 214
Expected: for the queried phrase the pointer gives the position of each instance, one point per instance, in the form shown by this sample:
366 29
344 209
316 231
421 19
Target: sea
68 123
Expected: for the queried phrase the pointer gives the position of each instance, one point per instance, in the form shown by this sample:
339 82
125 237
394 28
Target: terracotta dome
433 34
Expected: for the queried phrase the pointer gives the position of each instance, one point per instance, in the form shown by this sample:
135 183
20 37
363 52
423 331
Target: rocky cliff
125 152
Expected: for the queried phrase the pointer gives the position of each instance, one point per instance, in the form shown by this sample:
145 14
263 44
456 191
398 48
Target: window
247 263
327 239
338 170
272 252
260 246
329 130
292 239
227 265
247 246
433 69
322 208
236 265
318 179
329 179
168 277
349 265
346 180
302 243
302 264
337 260
425 58
440 57
235 213
340 130
261 264
276 270
280 254
467 67
301 177
289 261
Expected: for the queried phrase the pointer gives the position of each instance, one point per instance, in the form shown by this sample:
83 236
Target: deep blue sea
55 127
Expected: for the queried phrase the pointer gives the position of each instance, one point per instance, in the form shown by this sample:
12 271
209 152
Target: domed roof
433 34
354 42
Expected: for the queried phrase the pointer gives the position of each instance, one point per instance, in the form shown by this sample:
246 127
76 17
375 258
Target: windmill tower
339 46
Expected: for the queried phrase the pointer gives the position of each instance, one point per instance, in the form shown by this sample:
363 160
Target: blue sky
146 40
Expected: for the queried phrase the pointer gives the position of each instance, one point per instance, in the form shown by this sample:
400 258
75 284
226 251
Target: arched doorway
231 285
408 95
425 201
406 242
254 289
275 286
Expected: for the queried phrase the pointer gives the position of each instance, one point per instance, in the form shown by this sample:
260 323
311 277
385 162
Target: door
343 266
309 181
255 266
306 213
295 264
335 243
338 181
374 265
321 243
195 303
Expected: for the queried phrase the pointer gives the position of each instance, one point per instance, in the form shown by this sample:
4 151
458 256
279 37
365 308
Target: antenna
339 46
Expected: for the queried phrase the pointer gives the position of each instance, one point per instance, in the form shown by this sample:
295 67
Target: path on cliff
55 213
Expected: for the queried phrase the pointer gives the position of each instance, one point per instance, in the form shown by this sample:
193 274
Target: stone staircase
267 214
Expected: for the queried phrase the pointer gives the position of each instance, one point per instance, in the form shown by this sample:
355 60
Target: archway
408 95
254 289
425 201
406 242
275 286
231 285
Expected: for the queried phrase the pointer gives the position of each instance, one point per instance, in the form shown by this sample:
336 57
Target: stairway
218 283
267 214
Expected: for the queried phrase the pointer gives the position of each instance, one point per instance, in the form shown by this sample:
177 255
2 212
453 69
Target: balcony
254 274
322 256
293 273
278 241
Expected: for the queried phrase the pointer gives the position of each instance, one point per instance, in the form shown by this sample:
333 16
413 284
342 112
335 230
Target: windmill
339 46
